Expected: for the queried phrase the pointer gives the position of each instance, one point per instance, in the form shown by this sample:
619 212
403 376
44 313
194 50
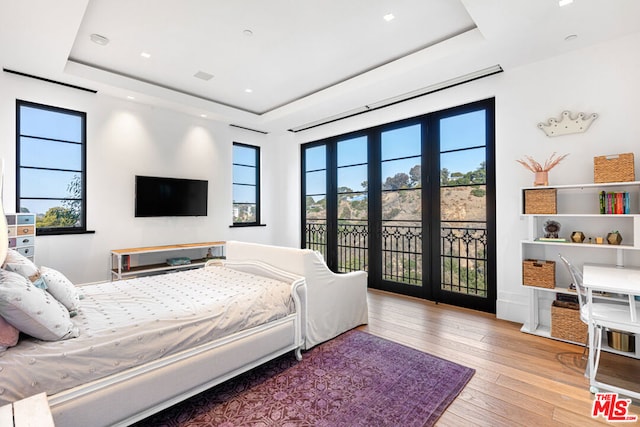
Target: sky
61 150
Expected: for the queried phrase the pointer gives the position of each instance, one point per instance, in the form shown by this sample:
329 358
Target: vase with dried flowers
541 171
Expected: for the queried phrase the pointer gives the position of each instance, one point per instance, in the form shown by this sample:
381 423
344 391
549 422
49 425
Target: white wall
124 139
603 79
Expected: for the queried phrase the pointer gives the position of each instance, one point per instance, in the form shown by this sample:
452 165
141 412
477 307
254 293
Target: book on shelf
614 202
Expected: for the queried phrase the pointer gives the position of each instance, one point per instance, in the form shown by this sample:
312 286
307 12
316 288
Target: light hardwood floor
520 379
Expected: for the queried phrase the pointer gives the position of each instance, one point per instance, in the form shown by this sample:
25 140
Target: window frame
257 165
49 231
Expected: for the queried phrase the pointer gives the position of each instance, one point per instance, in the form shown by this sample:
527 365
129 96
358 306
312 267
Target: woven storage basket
542 201
539 273
566 323
614 168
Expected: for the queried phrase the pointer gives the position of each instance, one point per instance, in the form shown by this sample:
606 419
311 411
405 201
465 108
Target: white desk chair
620 316
599 309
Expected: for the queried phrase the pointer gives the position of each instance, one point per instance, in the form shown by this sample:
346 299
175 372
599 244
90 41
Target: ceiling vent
404 97
203 76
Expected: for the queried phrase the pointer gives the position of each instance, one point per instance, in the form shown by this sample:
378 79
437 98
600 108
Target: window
50 166
246 185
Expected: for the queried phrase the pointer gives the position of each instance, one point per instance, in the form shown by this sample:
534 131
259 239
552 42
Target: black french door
410 202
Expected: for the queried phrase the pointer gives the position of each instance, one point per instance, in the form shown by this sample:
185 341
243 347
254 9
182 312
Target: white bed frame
326 305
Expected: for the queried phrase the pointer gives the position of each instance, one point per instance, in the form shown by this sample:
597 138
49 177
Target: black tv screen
157 196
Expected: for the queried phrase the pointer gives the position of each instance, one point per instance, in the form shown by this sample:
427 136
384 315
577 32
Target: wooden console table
131 261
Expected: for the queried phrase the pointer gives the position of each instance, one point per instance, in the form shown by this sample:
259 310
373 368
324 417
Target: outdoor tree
396 182
416 175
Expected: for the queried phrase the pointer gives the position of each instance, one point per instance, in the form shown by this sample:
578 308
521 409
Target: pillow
22 265
32 310
8 335
61 288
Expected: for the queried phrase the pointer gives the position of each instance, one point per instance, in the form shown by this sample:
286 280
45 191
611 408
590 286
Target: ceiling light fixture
563 3
204 116
247 33
389 17
131 97
570 37
145 55
248 90
98 39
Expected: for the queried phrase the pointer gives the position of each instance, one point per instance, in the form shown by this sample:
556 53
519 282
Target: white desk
610 278
620 280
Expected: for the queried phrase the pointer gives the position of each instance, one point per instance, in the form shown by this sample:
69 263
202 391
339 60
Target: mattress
131 322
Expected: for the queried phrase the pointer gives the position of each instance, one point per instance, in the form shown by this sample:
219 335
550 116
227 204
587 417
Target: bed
177 350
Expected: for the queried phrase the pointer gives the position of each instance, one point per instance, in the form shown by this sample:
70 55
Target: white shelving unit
578 210
149 260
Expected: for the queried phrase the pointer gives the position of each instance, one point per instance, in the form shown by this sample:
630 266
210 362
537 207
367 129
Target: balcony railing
463 252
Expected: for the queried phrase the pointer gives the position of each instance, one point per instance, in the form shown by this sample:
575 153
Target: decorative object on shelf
621 340
567 125
551 229
614 168
566 323
577 237
599 240
614 238
540 201
179 261
541 171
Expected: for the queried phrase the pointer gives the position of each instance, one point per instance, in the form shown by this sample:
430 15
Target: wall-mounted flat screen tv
158 196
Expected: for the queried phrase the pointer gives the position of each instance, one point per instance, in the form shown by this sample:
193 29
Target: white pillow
32 310
22 265
61 288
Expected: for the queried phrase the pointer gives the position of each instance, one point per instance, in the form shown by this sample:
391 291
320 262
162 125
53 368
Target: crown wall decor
567 124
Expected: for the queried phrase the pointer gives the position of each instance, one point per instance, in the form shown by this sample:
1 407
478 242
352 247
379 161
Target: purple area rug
356 379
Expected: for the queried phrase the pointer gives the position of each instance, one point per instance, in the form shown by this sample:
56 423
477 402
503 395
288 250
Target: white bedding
131 322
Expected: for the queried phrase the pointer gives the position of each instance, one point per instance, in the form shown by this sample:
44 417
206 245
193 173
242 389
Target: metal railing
463 250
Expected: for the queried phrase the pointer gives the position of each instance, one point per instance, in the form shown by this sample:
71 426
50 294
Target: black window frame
257 165
82 227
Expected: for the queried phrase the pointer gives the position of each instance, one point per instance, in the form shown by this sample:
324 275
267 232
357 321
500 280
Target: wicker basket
539 273
542 201
566 323
614 168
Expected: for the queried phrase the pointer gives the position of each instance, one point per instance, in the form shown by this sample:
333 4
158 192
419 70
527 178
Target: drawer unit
16 242
28 219
25 230
26 251
22 233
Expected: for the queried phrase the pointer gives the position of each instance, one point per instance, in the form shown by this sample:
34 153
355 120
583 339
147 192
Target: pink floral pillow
8 335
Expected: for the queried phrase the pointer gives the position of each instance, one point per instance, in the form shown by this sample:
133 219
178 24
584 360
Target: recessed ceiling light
145 55
388 17
203 76
248 90
247 33
98 39
204 116
562 3
131 97
570 37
